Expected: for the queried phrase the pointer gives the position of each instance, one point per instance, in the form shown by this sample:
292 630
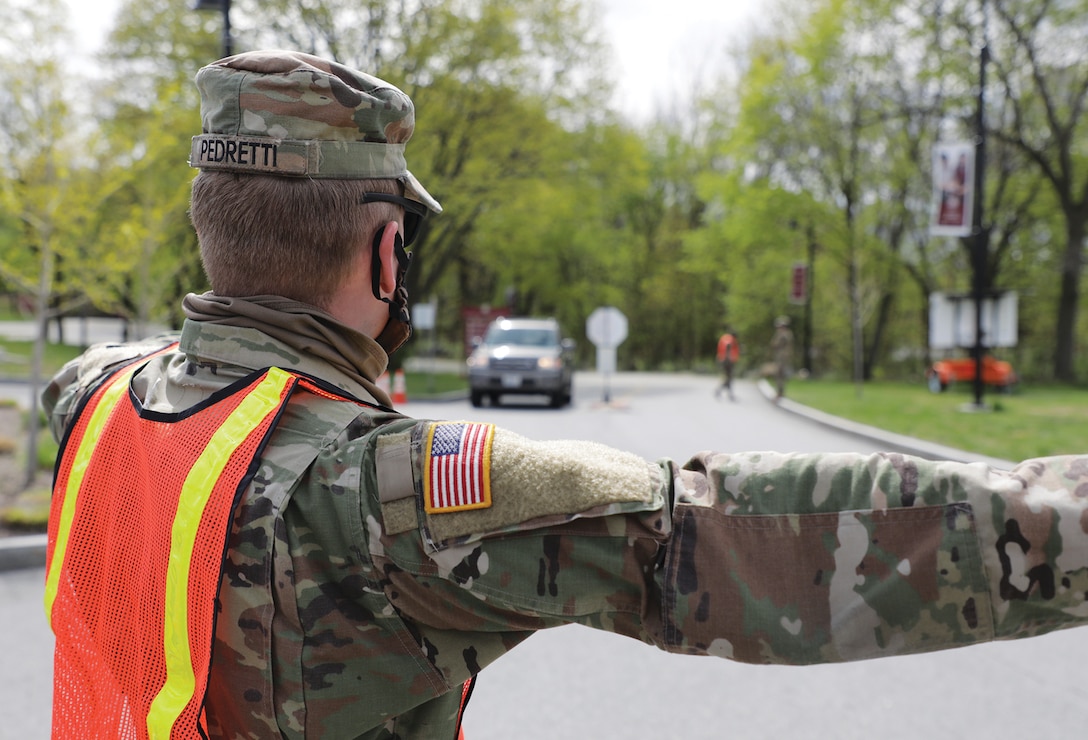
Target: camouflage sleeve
62 395
779 558
58 398
483 537
758 557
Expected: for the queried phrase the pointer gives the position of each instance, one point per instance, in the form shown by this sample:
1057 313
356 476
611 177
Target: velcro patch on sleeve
534 483
396 485
457 466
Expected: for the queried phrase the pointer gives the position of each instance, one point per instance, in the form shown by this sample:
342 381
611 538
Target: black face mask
399 326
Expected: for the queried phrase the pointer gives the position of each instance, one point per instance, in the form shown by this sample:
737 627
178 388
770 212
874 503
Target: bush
8 446
29 511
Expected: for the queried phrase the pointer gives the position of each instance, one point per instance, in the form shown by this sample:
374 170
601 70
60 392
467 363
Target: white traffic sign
423 315
606 327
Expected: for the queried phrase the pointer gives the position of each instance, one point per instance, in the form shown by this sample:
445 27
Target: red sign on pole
799 283
476 319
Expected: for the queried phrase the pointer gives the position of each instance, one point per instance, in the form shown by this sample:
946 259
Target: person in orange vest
727 356
248 540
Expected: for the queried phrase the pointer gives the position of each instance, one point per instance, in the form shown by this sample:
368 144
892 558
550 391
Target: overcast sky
664 47
661 46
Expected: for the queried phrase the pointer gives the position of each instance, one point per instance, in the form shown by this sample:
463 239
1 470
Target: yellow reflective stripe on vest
175 694
82 459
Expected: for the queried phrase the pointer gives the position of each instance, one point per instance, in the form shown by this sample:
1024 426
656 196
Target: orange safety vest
728 348
134 620
137 532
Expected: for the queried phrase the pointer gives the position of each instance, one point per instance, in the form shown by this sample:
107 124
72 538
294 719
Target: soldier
782 352
248 540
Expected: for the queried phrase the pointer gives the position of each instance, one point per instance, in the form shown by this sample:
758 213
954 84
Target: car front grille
513 364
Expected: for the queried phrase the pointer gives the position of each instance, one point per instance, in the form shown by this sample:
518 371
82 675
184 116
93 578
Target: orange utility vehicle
996 373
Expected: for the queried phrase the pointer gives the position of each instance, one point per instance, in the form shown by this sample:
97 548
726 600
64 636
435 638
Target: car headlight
477 360
550 363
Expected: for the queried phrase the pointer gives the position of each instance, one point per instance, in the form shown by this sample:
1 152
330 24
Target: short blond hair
292 237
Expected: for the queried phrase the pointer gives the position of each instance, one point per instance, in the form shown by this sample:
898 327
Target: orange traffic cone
400 390
383 383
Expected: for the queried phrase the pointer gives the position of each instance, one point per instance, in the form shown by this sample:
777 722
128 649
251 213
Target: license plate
510 380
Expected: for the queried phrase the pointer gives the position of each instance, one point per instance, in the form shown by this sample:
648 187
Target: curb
24 551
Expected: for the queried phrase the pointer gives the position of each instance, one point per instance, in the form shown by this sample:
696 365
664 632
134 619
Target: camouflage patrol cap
296 115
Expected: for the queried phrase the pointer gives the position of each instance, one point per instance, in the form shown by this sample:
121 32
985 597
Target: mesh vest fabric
141 512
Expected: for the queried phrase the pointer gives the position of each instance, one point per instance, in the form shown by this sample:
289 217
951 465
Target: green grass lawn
422 385
15 358
1029 423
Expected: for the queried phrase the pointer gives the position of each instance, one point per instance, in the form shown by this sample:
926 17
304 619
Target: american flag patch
458 466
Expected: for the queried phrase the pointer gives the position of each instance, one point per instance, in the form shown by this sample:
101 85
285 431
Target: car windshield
499 334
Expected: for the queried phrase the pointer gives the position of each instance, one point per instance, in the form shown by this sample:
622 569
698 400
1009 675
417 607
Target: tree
494 82
841 102
35 129
810 120
149 110
1043 73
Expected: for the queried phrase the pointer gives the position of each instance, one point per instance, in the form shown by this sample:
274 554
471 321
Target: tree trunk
872 354
1072 262
40 339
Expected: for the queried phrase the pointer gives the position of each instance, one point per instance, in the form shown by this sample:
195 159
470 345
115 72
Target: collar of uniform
269 331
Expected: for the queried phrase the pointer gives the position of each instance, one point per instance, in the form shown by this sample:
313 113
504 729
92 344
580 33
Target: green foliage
816 152
47 451
29 511
35 133
15 358
420 385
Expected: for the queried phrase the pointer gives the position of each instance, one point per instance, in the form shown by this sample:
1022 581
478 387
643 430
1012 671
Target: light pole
224 7
980 241
806 346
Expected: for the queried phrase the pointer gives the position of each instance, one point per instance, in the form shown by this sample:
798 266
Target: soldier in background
782 354
247 539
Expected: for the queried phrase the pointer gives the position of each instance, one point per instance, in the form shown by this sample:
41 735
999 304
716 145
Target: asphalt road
575 682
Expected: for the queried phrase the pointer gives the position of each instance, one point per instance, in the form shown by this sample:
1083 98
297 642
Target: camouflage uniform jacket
352 609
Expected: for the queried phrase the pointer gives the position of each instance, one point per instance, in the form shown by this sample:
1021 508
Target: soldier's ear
387 267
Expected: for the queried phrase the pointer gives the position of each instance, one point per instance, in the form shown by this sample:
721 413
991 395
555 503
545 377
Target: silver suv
521 356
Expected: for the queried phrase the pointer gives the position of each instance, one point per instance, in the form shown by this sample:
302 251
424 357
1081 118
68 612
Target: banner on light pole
953 189
798 283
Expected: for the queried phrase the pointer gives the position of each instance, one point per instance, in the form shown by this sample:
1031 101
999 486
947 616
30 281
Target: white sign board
423 315
952 321
606 327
